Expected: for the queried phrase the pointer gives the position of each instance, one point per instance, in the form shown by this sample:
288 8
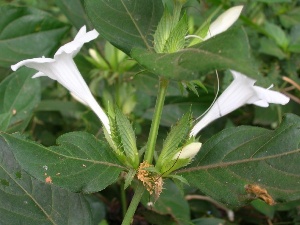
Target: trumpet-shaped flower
240 92
224 21
189 151
63 69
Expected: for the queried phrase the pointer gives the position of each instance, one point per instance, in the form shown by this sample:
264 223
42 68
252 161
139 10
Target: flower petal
240 92
32 63
271 96
39 74
81 32
73 47
261 103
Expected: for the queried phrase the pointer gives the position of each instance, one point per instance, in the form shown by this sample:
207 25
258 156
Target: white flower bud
224 21
189 151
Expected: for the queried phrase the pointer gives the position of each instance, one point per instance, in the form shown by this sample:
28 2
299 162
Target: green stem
123 199
133 204
163 84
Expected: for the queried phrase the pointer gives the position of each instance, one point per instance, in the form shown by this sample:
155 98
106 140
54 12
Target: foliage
56 165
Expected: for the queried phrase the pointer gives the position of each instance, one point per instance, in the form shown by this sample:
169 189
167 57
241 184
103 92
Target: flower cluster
240 92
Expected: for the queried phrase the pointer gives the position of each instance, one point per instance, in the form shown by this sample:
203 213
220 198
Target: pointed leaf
19 95
80 162
229 50
237 157
126 23
129 177
163 31
176 40
39 37
177 136
178 179
166 26
25 200
127 136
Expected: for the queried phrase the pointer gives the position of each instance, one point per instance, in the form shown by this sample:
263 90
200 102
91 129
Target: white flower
224 21
63 69
189 151
241 91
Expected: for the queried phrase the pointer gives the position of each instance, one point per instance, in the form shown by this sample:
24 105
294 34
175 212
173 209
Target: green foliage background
44 111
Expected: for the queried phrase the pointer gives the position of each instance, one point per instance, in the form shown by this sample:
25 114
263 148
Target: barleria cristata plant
40 184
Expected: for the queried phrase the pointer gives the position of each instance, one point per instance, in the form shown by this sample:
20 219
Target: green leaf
175 107
291 17
74 11
127 135
178 179
208 221
176 138
264 208
229 50
98 208
274 1
171 201
80 162
126 24
269 47
39 37
19 95
163 30
129 177
65 108
25 200
201 32
277 34
249 155
176 40
168 31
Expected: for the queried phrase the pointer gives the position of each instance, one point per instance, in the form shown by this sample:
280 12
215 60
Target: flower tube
63 69
240 92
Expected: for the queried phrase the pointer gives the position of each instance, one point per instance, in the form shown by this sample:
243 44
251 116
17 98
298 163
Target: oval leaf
39 37
229 50
80 162
25 200
243 156
19 95
126 24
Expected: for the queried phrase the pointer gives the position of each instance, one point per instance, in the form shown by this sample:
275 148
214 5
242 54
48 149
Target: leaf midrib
69 157
226 164
136 26
27 193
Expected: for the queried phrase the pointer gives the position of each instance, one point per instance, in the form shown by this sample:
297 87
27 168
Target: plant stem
163 84
133 204
123 199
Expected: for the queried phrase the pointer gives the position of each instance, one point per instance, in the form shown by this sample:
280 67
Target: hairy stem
133 204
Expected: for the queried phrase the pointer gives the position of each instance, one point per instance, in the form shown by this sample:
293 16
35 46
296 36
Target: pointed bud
224 21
